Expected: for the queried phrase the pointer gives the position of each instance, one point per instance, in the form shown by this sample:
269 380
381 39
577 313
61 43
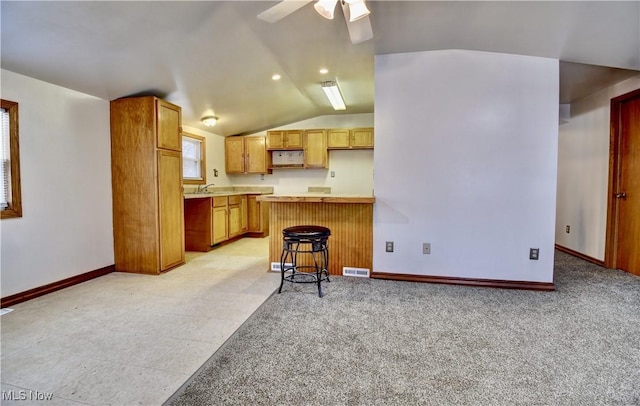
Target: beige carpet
383 342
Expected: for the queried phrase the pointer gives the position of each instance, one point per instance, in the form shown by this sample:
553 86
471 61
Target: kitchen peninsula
349 217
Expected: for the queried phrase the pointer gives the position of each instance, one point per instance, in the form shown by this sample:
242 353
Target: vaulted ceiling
216 57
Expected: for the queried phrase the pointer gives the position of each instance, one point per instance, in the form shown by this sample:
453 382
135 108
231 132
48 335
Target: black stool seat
306 232
304 240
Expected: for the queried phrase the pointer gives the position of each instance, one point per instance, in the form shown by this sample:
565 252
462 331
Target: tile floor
127 339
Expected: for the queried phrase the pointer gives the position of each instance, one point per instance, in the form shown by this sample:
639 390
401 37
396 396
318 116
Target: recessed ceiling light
324 71
276 77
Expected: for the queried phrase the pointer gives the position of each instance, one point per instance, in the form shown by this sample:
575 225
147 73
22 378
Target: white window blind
6 161
191 158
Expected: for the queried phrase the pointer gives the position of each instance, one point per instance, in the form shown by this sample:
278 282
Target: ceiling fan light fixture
331 90
209 121
326 8
357 10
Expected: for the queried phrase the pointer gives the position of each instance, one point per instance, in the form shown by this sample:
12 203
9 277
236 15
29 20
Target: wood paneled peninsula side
349 217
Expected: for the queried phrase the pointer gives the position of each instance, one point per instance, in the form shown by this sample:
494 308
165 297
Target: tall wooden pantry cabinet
146 176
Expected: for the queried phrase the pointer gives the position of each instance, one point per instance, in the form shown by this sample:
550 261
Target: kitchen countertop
218 194
317 198
229 191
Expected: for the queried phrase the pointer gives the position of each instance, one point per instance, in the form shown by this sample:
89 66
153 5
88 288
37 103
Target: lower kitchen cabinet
235 216
220 218
211 220
244 213
197 224
258 216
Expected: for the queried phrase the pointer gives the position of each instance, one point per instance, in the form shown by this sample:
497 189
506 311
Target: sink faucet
204 188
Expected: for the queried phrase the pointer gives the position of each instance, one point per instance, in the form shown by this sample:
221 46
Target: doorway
622 247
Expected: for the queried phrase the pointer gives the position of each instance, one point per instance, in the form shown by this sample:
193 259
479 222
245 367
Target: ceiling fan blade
282 9
359 30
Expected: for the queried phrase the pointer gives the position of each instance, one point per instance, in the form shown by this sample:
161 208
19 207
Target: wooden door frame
610 260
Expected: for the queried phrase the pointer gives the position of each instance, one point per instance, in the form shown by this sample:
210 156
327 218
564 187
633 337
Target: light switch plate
389 246
534 254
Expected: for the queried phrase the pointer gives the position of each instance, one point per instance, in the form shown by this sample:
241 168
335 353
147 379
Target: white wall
353 169
215 156
466 159
583 171
66 228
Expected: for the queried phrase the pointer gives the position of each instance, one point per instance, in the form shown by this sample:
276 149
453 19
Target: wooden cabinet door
169 125
256 155
235 220
315 149
234 154
362 138
282 140
171 209
255 216
275 140
338 138
294 139
197 224
220 224
244 214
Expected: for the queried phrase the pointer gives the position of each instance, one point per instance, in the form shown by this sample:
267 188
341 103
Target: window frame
14 209
203 161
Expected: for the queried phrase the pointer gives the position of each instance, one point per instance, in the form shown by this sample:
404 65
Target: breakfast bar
349 217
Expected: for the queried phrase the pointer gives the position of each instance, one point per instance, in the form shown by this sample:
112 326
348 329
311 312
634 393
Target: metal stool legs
305 256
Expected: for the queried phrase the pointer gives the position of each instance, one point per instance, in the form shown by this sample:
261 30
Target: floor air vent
360 272
275 266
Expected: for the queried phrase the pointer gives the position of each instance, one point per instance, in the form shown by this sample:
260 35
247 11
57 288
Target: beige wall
583 171
65 160
466 159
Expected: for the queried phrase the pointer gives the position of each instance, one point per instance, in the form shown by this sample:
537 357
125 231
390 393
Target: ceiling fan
355 13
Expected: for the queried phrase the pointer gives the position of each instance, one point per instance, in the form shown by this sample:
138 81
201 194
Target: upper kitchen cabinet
355 138
286 139
146 173
246 155
315 149
169 124
234 154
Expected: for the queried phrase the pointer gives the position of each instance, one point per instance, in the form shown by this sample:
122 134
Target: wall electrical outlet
389 246
426 248
568 229
333 174
534 254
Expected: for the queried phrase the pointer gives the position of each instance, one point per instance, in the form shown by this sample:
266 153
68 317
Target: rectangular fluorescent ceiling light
330 88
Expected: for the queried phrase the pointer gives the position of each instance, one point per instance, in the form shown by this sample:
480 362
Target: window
11 200
193 159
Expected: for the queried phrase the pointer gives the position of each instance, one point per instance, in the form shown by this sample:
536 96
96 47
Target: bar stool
310 243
